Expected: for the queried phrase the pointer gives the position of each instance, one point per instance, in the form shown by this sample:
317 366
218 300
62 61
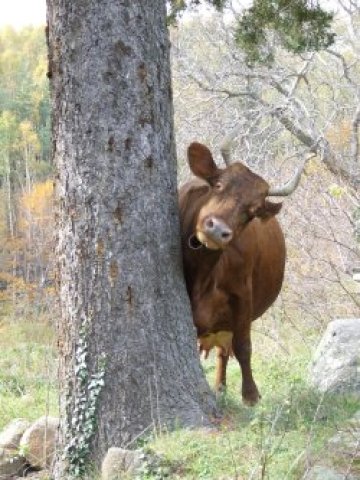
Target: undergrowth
27 369
276 440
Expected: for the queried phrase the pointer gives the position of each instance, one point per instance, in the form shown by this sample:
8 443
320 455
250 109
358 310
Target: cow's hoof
251 398
220 392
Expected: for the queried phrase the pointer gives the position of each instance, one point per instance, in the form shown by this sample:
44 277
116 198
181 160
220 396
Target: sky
19 13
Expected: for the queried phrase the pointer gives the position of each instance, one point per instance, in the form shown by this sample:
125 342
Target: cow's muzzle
214 233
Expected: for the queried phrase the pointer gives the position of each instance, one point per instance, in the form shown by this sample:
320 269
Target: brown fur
233 284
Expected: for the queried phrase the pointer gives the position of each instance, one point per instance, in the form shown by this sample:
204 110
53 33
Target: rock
11 463
319 472
39 441
347 441
11 435
341 455
336 364
119 461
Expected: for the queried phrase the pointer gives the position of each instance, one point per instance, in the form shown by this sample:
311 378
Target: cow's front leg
242 310
242 351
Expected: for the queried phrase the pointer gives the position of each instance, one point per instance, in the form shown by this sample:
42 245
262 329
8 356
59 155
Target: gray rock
119 461
343 449
11 435
336 364
319 472
347 441
11 463
39 441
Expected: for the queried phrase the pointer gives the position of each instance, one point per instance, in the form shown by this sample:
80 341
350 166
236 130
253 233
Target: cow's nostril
225 235
209 223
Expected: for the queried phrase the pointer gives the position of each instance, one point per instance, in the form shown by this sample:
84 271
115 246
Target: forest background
280 112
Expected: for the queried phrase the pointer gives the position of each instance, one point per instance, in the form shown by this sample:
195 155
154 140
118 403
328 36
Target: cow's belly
267 284
212 312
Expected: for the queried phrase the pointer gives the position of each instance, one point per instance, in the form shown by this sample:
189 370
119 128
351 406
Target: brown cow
234 257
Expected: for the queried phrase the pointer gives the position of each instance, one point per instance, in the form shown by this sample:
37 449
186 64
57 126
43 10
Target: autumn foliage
25 191
26 256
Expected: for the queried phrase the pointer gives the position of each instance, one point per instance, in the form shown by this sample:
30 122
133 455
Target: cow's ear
201 162
268 210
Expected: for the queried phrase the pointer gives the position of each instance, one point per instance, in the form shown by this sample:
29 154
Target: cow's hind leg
242 351
221 363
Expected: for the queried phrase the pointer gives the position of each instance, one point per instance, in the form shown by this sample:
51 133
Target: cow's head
236 196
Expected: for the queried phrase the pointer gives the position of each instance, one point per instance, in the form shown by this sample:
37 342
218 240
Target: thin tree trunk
27 170
9 195
128 359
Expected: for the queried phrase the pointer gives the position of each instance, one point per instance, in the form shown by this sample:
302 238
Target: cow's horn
227 144
225 150
289 187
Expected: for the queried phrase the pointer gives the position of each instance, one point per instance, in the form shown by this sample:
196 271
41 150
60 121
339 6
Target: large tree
128 359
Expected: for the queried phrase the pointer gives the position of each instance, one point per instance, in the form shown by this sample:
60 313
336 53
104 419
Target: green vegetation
24 104
276 439
298 25
83 425
27 369
25 166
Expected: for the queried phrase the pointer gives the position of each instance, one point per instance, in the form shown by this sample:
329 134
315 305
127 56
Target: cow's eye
218 186
244 218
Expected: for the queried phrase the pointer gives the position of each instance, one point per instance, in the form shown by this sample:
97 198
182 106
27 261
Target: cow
233 257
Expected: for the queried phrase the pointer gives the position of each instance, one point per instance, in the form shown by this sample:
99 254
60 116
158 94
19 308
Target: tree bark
128 359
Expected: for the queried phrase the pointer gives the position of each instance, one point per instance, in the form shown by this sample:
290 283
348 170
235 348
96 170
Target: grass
276 440
27 369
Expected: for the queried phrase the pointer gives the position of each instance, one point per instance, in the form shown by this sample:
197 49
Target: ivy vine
82 427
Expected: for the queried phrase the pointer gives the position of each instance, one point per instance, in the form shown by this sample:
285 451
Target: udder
221 339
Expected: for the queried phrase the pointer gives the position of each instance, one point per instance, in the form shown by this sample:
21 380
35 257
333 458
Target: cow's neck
200 267
204 261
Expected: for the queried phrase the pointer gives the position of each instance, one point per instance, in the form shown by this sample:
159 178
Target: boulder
11 463
340 459
39 441
11 435
346 442
319 472
336 364
119 461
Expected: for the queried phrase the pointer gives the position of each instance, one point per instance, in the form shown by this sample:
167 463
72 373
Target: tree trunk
128 359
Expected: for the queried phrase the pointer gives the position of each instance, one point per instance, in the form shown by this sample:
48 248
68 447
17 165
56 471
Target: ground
278 439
